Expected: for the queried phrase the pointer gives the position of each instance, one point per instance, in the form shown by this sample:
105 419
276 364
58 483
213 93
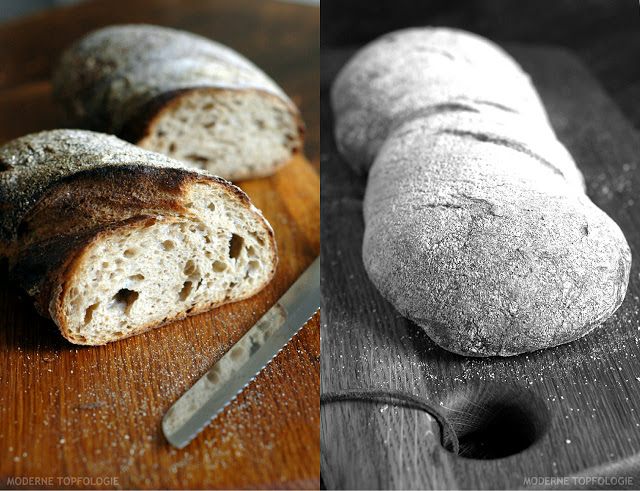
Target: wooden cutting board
94 413
569 412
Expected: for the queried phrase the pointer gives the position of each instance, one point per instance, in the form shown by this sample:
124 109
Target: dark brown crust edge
142 180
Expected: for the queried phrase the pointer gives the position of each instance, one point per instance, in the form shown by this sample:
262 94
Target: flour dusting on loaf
477 225
182 95
112 240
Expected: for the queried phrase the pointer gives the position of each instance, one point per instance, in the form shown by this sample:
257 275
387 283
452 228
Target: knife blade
197 407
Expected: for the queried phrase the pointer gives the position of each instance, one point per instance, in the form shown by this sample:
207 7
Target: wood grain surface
95 412
571 411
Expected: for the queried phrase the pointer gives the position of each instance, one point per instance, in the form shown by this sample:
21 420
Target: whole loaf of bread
477 225
179 94
112 240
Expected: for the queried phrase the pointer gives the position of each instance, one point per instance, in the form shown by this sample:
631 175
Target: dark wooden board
95 412
582 397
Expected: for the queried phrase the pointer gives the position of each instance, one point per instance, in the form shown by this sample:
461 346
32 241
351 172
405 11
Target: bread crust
120 79
32 164
63 190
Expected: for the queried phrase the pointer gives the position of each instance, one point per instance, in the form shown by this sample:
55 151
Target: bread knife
197 407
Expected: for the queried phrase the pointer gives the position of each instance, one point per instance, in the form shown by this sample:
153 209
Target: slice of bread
179 94
113 240
238 135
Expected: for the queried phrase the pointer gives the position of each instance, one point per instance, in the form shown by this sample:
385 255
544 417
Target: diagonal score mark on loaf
455 105
505 142
458 105
477 226
427 112
496 105
414 114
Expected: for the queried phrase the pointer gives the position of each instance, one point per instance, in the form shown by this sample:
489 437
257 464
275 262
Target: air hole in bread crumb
257 237
186 290
131 252
235 246
88 314
126 298
219 266
210 124
189 268
260 124
208 106
137 277
172 147
254 266
168 245
211 206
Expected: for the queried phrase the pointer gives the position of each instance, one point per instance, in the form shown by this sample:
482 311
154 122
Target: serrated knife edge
239 366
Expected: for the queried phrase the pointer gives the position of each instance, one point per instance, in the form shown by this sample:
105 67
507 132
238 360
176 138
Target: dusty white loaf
478 227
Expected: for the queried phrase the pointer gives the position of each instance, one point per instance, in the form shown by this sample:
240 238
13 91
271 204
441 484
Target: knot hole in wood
495 420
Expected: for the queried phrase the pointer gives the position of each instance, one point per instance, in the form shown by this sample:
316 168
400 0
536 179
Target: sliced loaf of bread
112 240
182 95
